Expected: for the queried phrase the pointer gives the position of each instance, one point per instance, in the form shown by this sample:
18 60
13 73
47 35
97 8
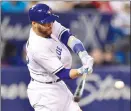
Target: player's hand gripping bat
86 59
80 88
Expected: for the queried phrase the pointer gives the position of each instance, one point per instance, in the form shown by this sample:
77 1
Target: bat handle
84 76
80 88
77 99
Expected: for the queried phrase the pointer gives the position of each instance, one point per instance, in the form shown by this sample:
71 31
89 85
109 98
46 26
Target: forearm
69 73
76 45
74 73
72 42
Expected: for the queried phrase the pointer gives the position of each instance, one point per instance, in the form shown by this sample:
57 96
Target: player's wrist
74 73
86 59
79 70
82 70
82 56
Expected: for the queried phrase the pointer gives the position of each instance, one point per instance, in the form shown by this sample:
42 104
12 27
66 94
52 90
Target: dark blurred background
104 29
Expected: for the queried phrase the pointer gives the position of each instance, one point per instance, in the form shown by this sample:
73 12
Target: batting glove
87 61
82 70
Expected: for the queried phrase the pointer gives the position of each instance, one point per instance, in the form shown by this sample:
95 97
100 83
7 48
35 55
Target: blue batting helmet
41 13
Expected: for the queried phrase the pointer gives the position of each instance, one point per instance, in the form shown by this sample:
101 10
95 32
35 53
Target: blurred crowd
116 51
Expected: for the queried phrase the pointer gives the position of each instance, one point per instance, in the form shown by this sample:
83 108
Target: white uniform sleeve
49 61
58 30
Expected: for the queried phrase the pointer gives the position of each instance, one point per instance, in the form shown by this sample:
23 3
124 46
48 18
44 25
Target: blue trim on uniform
61 33
54 72
64 74
78 48
65 36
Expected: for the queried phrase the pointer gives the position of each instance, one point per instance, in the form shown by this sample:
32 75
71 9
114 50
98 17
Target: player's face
44 29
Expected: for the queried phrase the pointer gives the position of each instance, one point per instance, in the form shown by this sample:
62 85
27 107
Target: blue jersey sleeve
65 37
64 74
69 40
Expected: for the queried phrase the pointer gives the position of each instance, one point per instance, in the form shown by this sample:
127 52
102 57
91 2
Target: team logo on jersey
58 51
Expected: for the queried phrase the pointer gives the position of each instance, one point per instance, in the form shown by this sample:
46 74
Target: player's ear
34 24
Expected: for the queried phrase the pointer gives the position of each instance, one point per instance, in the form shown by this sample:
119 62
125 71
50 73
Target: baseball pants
51 97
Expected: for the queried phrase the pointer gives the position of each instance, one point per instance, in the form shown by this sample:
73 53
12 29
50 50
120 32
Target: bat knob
76 99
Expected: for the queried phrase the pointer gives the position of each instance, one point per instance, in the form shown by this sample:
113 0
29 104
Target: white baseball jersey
47 56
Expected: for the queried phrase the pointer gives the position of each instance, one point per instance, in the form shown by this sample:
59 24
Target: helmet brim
49 19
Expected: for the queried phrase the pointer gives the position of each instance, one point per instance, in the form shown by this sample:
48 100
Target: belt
47 82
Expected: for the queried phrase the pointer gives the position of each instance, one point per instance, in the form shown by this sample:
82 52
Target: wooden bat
80 88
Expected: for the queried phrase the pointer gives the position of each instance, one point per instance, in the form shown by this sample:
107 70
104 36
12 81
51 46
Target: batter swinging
49 61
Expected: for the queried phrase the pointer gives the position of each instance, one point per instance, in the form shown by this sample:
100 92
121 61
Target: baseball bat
80 88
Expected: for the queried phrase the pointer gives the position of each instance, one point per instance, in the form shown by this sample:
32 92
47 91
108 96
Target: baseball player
49 61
